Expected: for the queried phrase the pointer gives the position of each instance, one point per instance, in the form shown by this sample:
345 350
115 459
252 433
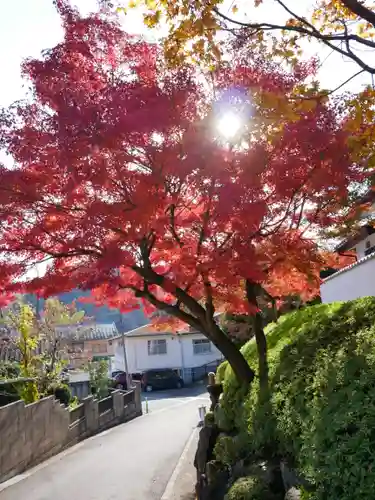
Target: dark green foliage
9 370
62 393
321 412
9 392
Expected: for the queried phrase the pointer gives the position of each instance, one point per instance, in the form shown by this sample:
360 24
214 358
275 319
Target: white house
189 353
358 279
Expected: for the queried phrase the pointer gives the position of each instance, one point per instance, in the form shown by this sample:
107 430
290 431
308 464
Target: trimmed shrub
220 372
209 418
250 488
321 410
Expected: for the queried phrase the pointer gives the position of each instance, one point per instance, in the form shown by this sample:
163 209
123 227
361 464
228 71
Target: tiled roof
146 330
91 331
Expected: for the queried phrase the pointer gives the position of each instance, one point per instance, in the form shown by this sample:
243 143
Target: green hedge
250 488
321 413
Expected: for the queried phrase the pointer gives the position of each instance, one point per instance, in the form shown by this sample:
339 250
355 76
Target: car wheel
149 388
179 385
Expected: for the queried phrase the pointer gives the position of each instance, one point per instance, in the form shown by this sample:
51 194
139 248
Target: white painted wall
192 360
180 353
138 357
138 353
352 283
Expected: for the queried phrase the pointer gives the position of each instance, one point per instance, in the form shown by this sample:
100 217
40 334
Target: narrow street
133 461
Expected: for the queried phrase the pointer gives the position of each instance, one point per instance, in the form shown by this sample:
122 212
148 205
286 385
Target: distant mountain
103 314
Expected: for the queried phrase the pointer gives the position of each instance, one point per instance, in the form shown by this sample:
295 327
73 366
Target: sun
229 125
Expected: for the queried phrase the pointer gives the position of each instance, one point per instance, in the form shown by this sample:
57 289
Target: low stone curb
183 484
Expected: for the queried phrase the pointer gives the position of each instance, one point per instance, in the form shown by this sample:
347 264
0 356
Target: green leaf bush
320 414
250 488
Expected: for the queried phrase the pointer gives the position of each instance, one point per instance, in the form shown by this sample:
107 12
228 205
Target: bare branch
309 30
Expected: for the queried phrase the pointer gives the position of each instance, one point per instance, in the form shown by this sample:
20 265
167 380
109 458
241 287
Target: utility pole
128 376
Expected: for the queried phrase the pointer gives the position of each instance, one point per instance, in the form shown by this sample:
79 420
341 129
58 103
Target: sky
29 26
26 28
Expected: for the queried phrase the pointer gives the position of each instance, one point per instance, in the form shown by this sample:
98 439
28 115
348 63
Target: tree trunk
234 357
199 318
260 338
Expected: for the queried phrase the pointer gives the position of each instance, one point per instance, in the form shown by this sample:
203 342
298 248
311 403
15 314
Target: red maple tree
123 186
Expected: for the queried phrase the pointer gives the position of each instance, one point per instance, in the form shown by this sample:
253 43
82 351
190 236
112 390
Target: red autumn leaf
122 182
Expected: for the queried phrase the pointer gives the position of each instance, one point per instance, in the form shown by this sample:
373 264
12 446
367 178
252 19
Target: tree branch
210 309
173 310
172 225
329 92
151 277
309 31
360 10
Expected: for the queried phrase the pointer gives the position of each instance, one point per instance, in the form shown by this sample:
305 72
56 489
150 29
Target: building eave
348 268
355 238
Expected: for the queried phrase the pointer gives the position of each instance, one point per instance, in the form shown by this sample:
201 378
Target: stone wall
31 433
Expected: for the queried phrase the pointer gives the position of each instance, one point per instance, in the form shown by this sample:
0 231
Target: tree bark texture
260 338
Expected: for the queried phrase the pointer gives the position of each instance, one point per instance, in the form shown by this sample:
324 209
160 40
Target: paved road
133 461
160 400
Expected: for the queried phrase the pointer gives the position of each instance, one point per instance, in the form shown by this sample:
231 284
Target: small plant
209 419
99 381
9 370
62 393
42 347
74 403
27 343
250 488
225 449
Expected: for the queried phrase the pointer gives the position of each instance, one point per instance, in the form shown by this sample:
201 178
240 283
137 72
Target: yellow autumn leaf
151 20
234 9
198 47
151 4
186 26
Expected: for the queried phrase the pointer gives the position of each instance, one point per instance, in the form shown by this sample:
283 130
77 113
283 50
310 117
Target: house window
201 346
76 348
157 347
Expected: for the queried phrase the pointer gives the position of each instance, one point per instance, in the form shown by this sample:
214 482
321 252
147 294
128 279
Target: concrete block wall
29 432
32 433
